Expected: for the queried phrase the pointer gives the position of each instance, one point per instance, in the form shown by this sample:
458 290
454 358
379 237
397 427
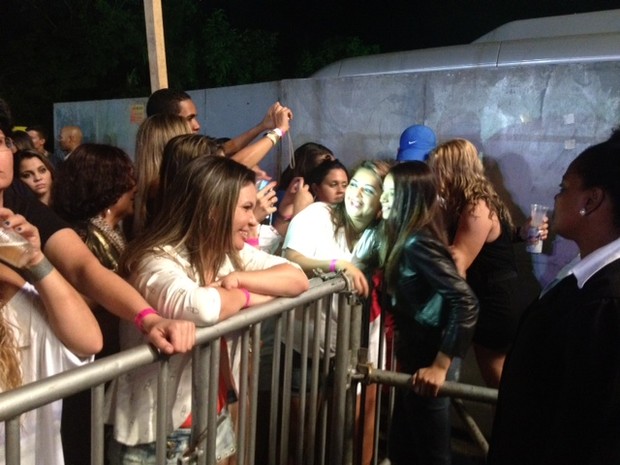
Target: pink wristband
332 265
139 319
253 241
247 297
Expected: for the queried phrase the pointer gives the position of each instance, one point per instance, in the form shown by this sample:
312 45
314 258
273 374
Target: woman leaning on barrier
333 237
45 328
434 310
559 399
193 263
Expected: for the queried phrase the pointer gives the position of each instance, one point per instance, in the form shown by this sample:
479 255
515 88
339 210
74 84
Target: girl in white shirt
192 262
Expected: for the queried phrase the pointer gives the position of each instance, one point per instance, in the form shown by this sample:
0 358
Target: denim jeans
420 430
176 444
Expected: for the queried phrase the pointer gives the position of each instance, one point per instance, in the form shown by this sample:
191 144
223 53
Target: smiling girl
193 263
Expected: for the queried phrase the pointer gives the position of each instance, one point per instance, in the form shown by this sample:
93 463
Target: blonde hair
10 366
462 181
153 134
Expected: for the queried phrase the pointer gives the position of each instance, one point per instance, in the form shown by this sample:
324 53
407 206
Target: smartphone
260 185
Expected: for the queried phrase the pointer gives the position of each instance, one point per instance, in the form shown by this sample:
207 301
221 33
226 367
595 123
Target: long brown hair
462 181
415 208
153 134
196 213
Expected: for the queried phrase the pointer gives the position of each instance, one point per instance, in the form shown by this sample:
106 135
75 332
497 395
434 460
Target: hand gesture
266 200
357 277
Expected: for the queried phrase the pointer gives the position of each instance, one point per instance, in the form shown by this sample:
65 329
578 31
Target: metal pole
162 411
12 445
97 441
340 382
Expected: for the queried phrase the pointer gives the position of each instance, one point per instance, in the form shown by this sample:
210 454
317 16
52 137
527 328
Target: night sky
394 25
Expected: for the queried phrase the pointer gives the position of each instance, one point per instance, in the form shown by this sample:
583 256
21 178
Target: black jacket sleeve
428 275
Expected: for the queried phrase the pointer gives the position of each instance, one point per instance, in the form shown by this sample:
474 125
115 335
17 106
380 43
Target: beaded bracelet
139 319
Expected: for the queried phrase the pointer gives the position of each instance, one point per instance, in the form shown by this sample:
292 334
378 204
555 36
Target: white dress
42 354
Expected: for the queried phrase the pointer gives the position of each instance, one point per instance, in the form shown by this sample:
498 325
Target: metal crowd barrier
323 416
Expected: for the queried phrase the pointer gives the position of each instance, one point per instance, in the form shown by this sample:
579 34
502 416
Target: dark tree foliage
71 50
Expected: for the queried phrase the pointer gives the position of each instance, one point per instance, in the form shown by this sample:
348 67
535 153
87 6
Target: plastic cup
14 249
534 242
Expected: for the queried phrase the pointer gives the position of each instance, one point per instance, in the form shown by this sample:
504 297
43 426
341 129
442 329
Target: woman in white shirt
45 328
334 238
193 263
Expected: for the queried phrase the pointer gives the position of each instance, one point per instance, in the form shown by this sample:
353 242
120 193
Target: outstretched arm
309 264
78 265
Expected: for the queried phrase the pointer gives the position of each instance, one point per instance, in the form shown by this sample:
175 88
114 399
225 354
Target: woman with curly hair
480 231
94 192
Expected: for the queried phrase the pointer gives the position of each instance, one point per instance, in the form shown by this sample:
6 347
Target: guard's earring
582 212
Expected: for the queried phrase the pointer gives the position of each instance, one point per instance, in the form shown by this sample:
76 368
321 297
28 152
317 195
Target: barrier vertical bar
275 392
243 400
256 349
286 386
97 442
162 411
12 443
340 382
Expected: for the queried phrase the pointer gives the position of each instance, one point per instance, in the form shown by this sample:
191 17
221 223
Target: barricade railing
289 410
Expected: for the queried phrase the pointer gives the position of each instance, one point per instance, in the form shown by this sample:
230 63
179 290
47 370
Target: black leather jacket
434 308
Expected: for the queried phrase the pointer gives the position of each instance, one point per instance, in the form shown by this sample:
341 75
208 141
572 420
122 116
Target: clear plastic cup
14 249
534 242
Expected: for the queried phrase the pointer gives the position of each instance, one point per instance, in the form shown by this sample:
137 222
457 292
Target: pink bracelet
332 265
253 241
139 319
247 297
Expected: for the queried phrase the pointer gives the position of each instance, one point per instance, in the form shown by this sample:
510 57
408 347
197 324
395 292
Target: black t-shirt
38 214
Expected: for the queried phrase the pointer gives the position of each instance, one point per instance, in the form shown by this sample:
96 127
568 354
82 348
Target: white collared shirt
584 269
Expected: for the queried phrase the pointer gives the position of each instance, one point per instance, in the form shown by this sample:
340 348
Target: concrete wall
529 122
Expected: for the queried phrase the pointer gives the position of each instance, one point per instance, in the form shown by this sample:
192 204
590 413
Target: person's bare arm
68 314
240 149
309 264
82 269
473 230
284 280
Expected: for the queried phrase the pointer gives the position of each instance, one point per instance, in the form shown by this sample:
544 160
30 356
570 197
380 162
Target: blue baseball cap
416 142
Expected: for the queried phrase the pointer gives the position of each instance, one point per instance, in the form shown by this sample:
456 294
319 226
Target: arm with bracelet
68 314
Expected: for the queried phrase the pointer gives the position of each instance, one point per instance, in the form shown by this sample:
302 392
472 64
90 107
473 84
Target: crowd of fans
194 232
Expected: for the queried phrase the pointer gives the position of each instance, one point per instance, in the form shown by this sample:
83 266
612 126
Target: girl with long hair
192 262
434 311
333 237
480 232
153 134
